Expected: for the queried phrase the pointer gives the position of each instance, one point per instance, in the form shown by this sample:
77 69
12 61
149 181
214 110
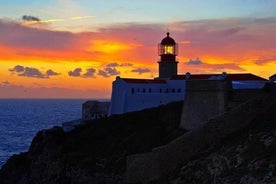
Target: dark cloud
90 72
108 71
206 67
50 72
141 70
197 61
119 65
75 73
112 65
17 68
29 18
27 72
126 64
32 72
103 73
112 71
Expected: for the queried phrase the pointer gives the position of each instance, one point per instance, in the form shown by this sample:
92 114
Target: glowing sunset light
55 20
185 42
42 21
108 47
82 17
76 49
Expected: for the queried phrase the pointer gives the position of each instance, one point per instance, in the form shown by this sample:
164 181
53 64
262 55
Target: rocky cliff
94 152
97 151
247 156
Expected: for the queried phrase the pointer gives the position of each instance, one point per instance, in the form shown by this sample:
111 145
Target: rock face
248 156
164 160
99 151
43 160
94 152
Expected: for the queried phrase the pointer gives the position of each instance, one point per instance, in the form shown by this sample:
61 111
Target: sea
21 119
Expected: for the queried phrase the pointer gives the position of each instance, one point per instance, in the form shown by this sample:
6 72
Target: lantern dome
168 40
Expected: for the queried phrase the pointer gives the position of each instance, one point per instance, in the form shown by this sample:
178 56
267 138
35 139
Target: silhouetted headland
117 149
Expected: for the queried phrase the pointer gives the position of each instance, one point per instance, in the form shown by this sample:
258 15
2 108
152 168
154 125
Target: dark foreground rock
95 152
247 156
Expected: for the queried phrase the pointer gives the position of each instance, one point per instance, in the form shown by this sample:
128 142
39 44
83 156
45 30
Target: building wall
127 97
139 101
204 99
117 97
94 109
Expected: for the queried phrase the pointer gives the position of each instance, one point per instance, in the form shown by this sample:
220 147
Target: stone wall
162 161
204 99
94 109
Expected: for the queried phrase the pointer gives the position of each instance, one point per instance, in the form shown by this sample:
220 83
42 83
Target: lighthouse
167 51
132 94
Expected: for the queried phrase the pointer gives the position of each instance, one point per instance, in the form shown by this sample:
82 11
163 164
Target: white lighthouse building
130 94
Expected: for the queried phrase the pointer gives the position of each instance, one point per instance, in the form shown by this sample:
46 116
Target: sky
76 48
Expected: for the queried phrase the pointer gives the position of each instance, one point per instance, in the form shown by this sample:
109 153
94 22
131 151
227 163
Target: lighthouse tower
167 51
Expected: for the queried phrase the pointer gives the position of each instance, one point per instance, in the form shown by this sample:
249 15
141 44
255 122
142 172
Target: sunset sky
76 48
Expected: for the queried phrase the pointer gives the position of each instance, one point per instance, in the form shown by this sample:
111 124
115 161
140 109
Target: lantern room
167 49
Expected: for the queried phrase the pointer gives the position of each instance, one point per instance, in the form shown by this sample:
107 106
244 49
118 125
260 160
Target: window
160 90
144 90
149 90
132 90
168 49
179 90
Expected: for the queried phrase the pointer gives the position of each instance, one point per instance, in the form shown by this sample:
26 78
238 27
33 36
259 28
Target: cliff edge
101 151
94 152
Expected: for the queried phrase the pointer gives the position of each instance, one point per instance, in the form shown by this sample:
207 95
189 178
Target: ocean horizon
22 118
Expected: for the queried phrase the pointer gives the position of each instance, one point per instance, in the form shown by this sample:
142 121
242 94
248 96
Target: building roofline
228 77
143 81
188 76
243 77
